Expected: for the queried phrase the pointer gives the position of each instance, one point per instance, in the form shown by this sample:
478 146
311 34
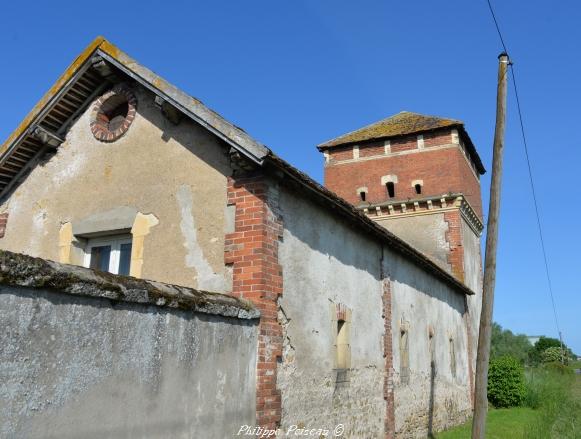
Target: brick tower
419 177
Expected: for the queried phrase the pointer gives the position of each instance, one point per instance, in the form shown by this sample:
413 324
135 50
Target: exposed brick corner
388 384
3 222
454 239
252 250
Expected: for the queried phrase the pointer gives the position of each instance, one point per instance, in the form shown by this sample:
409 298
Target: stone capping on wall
424 205
18 270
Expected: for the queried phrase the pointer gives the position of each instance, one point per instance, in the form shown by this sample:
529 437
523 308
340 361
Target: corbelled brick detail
454 239
3 223
388 384
252 250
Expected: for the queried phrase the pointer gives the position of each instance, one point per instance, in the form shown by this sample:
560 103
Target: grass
500 424
556 399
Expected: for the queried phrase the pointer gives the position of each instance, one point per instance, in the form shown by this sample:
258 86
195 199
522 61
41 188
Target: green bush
551 355
506 382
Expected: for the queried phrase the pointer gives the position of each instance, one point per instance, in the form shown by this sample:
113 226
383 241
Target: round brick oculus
113 113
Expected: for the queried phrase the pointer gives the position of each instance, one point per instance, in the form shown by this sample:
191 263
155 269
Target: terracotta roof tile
398 125
401 124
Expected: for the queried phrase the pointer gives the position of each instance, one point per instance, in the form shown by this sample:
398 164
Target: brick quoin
454 239
252 250
3 223
388 384
456 261
442 170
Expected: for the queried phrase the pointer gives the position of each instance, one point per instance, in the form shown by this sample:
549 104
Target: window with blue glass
112 254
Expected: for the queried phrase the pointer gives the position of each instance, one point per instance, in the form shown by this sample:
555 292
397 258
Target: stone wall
92 355
330 272
433 392
331 268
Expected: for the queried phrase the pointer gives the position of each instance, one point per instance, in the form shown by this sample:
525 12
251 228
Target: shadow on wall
431 401
406 273
328 235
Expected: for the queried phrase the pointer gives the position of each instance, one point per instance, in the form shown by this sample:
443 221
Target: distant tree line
504 343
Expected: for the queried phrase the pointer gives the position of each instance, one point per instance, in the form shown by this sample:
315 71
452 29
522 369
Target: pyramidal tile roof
400 124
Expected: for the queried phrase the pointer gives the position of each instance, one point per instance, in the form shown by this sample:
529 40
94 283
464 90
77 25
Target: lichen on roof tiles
398 125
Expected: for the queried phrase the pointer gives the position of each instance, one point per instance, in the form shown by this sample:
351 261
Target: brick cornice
424 206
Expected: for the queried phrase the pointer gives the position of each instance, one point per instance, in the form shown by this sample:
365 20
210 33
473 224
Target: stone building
368 288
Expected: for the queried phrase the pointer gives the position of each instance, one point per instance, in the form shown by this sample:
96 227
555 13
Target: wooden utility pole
483 355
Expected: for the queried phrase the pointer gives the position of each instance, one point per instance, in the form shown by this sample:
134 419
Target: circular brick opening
113 114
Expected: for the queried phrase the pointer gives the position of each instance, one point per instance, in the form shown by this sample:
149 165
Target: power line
497 26
522 129
524 138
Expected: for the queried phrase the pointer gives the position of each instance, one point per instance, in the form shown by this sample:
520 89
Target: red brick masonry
442 171
252 250
454 239
388 385
3 222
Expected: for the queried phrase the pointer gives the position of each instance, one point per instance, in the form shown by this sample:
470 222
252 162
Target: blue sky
294 74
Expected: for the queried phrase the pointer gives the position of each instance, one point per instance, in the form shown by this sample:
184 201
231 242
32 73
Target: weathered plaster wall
472 257
427 233
473 278
422 305
75 364
177 174
324 264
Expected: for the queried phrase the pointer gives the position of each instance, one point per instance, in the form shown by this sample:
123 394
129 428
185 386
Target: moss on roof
400 124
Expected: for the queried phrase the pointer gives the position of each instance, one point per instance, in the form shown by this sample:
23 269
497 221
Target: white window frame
115 242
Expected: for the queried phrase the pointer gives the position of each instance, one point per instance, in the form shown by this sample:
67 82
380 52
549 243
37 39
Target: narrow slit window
362 195
418 188
342 345
404 357
390 189
452 358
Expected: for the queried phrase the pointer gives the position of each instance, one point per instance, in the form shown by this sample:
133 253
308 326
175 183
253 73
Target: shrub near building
506 382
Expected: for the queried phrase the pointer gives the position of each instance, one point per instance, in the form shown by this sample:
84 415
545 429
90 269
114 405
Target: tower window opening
390 189
363 195
418 188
